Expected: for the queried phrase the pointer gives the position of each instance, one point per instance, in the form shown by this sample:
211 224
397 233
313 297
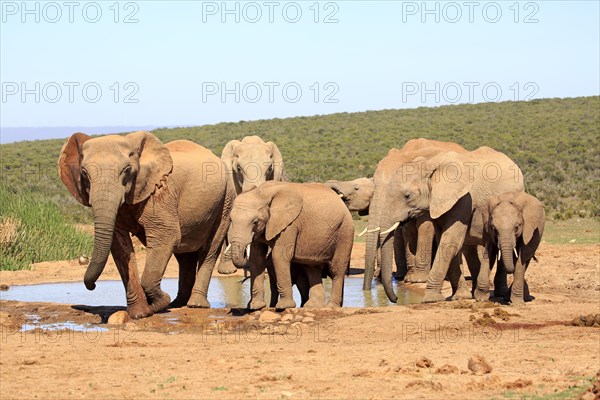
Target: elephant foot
160 303
416 277
517 301
198 301
463 293
256 305
482 295
138 311
431 296
226 267
178 302
284 303
312 303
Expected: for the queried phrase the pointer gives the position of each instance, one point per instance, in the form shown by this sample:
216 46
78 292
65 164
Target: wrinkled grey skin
303 223
453 188
356 194
250 163
513 226
137 185
418 232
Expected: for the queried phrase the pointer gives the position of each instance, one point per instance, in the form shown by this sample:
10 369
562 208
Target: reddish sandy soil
415 351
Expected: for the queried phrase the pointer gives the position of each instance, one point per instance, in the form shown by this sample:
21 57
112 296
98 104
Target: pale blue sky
377 56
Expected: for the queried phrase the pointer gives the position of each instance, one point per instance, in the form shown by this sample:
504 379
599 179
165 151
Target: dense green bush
33 229
554 141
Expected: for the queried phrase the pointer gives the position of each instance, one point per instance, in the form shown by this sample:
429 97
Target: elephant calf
303 223
513 228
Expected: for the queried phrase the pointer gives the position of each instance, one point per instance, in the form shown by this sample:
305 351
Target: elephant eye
239 168
407 195
127 170
84 173
255 221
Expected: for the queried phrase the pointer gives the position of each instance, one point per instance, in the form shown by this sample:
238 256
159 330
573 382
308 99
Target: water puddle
224 292
33 323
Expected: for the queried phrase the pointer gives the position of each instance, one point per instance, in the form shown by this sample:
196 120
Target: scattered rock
268 316
518 384
131 326
447 369
478 365
361 373
593 393
29 361
4 287
118 318
383 362
586 320
287 317
307 319
424 362
349 311
419 384
309 314
286 394
83 260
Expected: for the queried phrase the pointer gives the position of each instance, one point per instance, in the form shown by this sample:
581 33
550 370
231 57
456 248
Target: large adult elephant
249 162
170 196
453 188
415 239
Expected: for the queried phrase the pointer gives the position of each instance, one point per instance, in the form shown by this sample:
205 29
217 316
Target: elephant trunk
105 214
372 244
238 255
507 257
387 247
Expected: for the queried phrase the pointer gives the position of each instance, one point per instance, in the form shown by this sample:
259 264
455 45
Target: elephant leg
472 258
409 233
400 254
157 259
226 266
272 282
124 256
314 281
500 279
300 279
424 247
256 264
450 242
460 288
207 258
283 253
188 263
338 266
516 293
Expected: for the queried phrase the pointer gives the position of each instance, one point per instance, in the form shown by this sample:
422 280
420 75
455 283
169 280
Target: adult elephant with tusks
249 162
161 193
413 241
453 188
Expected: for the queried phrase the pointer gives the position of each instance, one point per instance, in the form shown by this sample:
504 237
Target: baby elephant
513 228
303 223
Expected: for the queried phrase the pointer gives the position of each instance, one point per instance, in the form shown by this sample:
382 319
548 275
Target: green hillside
554 141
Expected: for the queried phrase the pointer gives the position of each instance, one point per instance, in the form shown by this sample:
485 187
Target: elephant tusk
515 251
363 232
391 229
341 195
269 250
374 230
499 254
248 252
227 248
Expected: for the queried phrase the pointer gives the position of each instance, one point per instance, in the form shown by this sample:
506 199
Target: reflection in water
223 292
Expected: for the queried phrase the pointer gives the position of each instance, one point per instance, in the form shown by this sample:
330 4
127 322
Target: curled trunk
238 255
104 225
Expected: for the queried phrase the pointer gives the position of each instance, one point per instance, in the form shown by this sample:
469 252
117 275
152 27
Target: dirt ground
451 350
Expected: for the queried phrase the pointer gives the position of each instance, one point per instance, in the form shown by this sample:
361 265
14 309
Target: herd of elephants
429 204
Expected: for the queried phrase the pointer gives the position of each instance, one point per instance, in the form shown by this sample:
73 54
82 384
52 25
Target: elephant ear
155 163
533 215
69 167
278 167
285 208
449 180
228 153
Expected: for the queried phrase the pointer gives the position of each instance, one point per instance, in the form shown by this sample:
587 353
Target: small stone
118 318
307 319
4 287
287 317
269 316
83 260
286 394
349 312
130 326
447 369
479 365
309 314
424 362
